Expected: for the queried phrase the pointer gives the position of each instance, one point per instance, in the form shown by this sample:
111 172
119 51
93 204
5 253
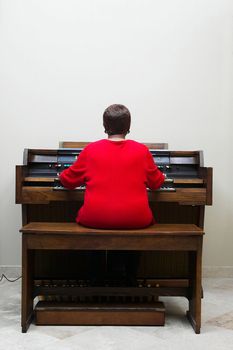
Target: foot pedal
55 313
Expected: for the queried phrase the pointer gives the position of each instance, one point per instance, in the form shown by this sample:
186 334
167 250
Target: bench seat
74 228
71 236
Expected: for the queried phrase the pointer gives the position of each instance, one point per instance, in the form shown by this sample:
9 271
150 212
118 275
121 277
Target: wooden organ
62 276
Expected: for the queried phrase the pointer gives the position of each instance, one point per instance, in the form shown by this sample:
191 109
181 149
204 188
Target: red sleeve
74 176
155 178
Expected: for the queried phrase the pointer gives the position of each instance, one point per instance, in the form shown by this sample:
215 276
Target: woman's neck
117 137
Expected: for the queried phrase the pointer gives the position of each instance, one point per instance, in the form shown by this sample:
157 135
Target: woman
116 173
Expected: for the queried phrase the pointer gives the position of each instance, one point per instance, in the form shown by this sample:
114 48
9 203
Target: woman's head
116 120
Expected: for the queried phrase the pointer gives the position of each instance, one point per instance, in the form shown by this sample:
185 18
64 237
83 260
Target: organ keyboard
187 182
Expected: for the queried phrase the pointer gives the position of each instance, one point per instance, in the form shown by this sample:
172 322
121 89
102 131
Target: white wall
62 62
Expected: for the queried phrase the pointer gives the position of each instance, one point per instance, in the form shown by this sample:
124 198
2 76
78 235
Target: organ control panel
187 180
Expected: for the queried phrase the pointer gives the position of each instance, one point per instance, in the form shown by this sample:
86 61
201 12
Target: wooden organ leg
195 267
27 285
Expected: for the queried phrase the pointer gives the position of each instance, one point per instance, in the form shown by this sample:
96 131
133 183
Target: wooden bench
71 236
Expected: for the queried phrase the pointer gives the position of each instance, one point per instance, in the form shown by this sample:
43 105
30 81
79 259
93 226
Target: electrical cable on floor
14 280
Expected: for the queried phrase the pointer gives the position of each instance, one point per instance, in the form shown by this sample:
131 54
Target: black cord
4 276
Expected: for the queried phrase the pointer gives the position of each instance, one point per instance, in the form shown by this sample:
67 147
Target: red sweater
116 175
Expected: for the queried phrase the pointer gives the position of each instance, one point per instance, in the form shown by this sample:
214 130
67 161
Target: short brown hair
116 119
